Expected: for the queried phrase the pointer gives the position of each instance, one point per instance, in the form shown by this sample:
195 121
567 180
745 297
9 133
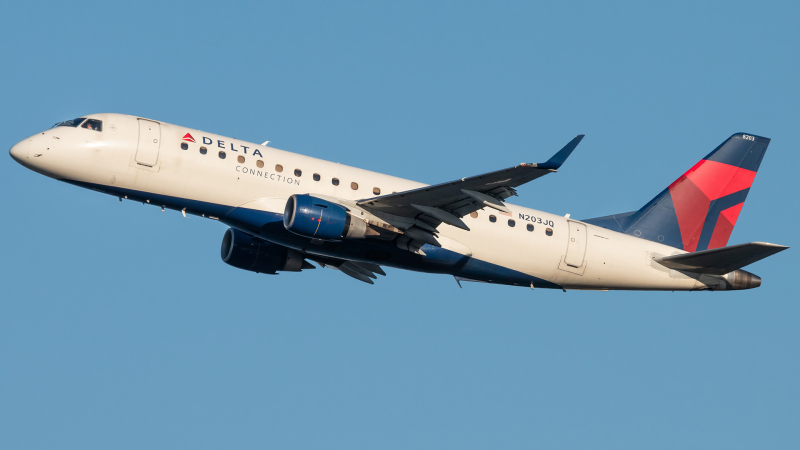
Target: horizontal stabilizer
720 261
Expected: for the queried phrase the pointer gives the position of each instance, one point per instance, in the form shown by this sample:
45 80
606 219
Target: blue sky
120 326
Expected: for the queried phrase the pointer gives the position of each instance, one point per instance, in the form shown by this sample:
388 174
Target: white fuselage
188 179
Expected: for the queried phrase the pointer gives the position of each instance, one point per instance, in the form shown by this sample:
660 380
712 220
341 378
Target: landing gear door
149 143
576 247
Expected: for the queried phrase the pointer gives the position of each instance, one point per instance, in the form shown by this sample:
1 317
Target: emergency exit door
576 247
149 142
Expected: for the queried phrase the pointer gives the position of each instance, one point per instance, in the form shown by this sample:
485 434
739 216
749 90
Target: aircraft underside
269 226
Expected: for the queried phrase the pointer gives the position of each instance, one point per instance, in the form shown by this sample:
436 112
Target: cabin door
576 247
149 142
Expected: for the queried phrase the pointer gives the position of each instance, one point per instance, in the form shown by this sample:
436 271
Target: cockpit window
93 124
70 123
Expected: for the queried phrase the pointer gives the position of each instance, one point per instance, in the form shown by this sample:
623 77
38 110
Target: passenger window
93 124
316 177
530 227
221 155
203 150
259 163
184 146
354 186
492 218
240 158
474 214
335 181
376 191
298 172
511 222
278 168
548 231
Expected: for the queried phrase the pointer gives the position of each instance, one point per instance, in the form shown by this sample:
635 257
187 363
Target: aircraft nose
20 151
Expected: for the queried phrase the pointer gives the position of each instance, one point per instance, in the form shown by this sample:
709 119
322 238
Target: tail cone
741 279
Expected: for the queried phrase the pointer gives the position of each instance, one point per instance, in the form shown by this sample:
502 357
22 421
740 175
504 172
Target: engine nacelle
320 219
247 252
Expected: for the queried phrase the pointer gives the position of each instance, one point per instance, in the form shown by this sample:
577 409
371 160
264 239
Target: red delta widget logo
221 144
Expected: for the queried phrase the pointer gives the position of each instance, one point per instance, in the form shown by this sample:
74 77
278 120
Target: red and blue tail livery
698 210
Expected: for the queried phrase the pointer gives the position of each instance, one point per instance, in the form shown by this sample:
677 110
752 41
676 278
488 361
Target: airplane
284 209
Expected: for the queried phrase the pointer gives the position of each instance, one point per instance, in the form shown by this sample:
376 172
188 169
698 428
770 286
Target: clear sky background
120 327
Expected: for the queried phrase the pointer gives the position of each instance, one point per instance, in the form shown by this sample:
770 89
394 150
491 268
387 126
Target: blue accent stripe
492 273
269 226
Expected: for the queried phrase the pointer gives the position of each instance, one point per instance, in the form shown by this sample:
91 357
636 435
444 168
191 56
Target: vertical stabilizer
698 210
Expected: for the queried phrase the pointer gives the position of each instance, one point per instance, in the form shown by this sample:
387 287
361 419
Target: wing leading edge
447 202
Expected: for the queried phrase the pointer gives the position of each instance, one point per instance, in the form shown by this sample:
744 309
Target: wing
720 261
447 202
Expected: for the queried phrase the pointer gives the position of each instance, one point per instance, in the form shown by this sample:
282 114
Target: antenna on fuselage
265 143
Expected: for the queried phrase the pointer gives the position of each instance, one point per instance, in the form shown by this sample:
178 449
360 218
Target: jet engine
247 252
320 219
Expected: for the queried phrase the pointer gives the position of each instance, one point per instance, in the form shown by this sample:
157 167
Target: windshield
70 123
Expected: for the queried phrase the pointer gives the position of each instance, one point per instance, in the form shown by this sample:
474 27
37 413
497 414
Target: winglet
558 159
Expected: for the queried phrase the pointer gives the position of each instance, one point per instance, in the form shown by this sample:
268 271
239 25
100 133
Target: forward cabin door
149 142
576 247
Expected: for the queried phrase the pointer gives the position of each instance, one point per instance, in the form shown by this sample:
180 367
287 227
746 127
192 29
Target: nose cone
20 151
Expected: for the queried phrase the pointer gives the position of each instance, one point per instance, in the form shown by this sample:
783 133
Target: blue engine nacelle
247 252
320 219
